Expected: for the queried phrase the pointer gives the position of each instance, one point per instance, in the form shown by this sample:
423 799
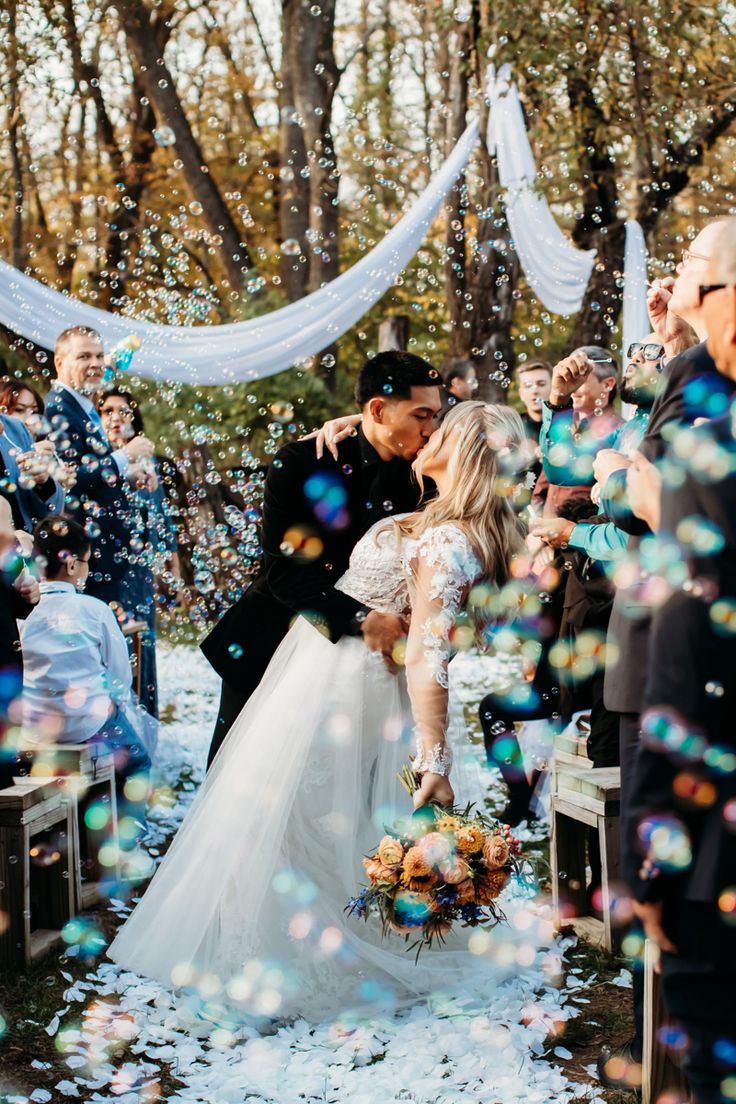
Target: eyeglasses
688 255
706 289
651 350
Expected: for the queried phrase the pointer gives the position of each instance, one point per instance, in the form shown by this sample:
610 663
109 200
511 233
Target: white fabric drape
636 323
557 272
247 350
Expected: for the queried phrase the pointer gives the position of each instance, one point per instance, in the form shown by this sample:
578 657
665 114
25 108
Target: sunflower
490 885
469 839
417 872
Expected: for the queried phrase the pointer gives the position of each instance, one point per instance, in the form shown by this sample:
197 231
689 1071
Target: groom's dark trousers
314 512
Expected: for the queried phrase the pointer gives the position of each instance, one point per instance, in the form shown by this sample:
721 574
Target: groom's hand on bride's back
382 632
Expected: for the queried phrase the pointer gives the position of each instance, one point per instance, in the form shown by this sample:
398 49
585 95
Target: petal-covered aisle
126 1038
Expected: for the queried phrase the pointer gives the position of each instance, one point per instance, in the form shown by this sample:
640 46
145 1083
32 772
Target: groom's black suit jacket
314 512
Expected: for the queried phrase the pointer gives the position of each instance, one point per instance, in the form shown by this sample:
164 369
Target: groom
314 512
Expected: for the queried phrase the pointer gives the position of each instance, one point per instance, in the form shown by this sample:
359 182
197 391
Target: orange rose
390 851
454 871
469 839
435 848
496 852
377 872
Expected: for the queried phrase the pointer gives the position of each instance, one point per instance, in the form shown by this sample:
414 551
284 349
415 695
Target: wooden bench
582 798
37 860
571 745
87 778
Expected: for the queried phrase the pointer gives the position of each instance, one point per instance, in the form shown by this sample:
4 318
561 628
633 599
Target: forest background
203 161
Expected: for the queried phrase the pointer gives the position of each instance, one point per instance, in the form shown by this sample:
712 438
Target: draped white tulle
253 890
253 349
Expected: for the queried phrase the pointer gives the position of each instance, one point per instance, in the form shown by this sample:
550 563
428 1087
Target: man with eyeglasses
691 389
684 775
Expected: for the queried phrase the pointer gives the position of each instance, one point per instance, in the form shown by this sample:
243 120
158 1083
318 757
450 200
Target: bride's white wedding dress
249 901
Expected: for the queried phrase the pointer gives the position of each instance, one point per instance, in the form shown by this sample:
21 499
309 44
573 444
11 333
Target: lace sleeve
441 567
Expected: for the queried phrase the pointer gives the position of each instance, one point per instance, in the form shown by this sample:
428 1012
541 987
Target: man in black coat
680 828
314 512
690 388
99 499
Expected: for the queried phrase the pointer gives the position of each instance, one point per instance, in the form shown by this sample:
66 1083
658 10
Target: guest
683 780
77 680
690 388
26 474
460 384
104 474
534 379
602 540
18 594
154 542
577 422
21 400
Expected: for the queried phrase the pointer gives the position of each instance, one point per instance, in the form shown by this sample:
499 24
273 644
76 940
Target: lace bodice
426 579
383 563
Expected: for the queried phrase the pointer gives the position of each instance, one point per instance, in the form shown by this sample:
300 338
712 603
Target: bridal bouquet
440 867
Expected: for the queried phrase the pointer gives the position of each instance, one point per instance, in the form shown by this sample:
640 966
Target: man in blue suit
100 498
24 476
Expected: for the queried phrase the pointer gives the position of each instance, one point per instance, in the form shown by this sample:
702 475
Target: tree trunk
393 333
460 334
293 183
158 82
600 227
15 123
309 42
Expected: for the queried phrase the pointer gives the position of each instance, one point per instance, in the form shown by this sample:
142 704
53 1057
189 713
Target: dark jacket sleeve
679 722
302 585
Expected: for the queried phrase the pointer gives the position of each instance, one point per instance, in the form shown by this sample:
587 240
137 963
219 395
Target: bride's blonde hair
483 474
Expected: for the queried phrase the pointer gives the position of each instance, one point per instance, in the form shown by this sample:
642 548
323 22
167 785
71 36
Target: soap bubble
164 136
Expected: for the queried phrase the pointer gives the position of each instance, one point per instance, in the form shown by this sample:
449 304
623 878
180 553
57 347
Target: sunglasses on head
651 350
706 289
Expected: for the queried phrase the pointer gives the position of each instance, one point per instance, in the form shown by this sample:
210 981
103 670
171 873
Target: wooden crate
88 779
586 797
37 898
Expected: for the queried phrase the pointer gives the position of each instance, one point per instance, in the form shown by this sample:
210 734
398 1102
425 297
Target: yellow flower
469 839
447 824
390 851
496 852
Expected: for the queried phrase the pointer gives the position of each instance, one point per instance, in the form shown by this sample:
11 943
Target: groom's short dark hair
392 375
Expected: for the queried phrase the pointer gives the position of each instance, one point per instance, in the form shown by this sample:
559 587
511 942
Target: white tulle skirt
248 904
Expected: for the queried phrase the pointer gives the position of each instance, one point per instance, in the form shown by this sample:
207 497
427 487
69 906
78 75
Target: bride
248 905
